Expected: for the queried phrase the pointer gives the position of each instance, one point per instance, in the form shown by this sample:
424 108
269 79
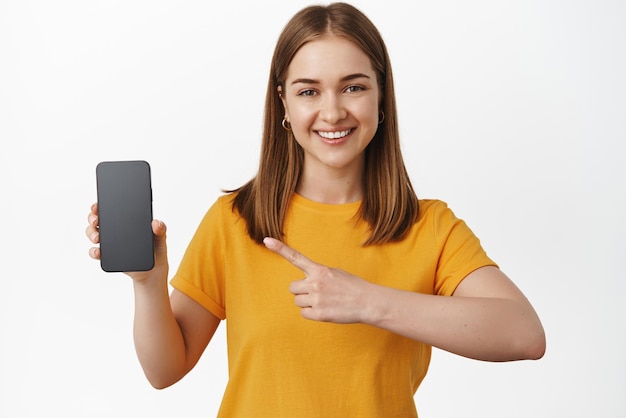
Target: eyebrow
346 78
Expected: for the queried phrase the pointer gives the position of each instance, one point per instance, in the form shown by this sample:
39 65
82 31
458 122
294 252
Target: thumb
158 229
160 232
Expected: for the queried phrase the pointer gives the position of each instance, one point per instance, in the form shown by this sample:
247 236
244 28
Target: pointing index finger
294 257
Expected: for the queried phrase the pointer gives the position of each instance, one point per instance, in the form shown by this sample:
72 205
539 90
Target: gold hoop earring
381 117
286 125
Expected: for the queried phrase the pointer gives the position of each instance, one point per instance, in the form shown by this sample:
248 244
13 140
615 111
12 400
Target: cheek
369 115
300 119
368 109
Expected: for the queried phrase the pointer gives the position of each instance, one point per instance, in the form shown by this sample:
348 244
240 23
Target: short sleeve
460 251
201 272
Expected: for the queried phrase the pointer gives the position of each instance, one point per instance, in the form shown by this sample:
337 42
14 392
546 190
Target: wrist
375 310
153 281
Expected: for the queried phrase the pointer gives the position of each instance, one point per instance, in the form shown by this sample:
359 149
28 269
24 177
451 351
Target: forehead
329 57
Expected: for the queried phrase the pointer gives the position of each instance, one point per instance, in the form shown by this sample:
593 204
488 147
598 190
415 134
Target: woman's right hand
159 229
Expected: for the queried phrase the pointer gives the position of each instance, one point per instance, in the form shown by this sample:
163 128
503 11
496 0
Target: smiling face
331 98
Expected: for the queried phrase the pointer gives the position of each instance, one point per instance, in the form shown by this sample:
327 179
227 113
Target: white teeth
333 135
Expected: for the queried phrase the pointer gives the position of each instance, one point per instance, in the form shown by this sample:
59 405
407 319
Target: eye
354 89
307 93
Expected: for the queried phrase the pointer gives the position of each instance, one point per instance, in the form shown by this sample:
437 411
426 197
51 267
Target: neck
330 186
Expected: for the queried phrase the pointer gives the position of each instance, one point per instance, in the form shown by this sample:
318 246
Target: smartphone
125 216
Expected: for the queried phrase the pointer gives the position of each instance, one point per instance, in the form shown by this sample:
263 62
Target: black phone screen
125 216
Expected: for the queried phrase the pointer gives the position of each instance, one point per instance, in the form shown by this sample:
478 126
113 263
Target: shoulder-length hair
389 204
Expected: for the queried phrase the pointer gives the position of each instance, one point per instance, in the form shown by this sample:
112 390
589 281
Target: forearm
159 341
492 329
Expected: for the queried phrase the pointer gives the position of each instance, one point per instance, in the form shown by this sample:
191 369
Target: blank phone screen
125 216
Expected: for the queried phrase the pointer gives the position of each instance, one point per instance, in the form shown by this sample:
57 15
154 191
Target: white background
512 112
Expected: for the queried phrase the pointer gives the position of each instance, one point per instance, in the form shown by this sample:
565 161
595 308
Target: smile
334 135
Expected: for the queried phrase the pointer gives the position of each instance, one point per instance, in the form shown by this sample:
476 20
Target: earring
381 117
286 124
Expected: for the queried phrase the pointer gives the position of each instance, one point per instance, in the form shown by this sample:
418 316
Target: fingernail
269 242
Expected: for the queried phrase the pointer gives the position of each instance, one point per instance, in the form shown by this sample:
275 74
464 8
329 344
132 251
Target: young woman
334 279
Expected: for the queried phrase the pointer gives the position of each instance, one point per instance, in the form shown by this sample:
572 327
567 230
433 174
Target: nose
332 109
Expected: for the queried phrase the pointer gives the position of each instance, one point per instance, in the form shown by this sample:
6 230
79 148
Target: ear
279 91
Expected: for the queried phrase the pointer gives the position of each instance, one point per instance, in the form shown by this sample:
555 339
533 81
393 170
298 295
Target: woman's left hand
325 294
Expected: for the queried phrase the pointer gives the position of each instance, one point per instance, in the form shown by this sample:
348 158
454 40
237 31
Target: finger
160 231
93 234
294 257
94 253
302 301
158 228
160 242
92 224
299 287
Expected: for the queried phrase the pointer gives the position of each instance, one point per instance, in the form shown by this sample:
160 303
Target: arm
170 332
487 318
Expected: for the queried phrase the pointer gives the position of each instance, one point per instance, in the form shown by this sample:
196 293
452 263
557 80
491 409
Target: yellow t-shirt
282 365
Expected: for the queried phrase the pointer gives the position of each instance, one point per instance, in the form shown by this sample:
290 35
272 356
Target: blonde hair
390 205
